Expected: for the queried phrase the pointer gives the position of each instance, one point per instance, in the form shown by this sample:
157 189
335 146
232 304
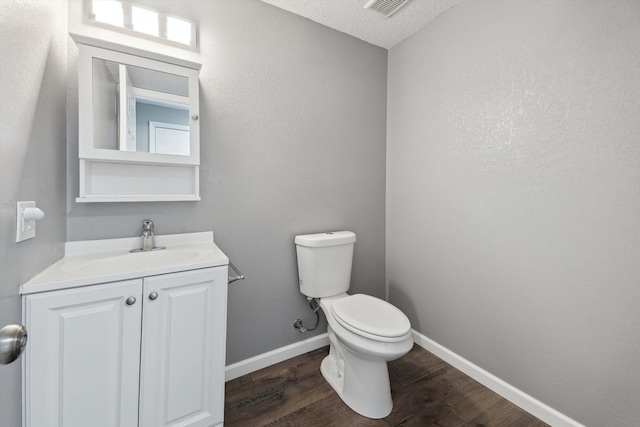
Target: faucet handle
147 225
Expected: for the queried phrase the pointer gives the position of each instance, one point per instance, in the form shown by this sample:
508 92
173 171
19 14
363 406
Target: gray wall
33 157
513 202
293 128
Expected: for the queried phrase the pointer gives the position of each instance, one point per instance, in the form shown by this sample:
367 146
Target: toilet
364 332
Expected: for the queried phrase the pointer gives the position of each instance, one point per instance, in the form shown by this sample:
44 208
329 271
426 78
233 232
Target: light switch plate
24 229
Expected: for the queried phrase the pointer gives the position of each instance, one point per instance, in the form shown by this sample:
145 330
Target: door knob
13 339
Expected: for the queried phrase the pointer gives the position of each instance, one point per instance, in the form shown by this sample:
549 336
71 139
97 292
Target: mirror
138 109
138 120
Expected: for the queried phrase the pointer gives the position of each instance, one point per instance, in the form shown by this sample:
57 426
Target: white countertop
92 262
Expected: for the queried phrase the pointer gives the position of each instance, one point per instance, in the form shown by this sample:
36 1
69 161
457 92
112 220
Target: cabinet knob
130 301
195 117
153 296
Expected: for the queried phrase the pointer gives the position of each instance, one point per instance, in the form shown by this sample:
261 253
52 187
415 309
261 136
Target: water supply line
316 309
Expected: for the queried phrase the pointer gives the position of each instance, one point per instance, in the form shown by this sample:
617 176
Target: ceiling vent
385 7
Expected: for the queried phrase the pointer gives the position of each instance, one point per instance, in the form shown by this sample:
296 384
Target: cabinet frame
110 175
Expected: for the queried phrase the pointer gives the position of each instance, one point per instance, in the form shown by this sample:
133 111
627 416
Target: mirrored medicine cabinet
139 124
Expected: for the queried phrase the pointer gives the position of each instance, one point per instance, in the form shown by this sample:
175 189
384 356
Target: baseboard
509 392
278 355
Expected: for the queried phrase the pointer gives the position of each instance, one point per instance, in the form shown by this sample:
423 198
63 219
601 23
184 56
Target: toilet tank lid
332 238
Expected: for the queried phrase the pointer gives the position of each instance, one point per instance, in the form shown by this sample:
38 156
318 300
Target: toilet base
360 381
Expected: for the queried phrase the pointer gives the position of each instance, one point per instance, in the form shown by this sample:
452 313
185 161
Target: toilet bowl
364 332
356 366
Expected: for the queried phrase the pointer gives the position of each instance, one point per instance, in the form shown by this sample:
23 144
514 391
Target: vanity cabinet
83 356
146 352
183 349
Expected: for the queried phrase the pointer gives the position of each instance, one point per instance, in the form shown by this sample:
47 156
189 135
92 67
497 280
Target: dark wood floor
426 392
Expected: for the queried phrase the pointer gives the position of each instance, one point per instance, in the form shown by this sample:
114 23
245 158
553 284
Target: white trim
105 44
504 389
278 355
161 99
138 198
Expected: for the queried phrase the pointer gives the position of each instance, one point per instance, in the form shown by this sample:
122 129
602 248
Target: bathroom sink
92 262
132 261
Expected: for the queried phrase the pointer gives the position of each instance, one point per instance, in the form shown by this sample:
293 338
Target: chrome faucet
148 238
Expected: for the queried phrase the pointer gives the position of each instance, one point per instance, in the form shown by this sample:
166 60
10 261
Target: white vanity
127 339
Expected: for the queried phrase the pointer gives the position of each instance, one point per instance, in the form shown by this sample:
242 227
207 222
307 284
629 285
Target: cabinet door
81 367
183 349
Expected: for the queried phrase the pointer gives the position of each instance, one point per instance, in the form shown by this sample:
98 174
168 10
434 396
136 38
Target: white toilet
364 332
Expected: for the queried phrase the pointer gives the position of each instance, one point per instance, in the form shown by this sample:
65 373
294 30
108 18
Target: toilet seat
371 318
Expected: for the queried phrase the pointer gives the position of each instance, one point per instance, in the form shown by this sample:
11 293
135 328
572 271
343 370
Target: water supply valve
315 307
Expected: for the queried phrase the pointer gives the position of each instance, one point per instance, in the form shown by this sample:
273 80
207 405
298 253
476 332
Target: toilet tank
324 263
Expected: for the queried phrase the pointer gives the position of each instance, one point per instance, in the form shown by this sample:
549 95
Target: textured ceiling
349 16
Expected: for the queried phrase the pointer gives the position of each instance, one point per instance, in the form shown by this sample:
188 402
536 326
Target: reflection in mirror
138 109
